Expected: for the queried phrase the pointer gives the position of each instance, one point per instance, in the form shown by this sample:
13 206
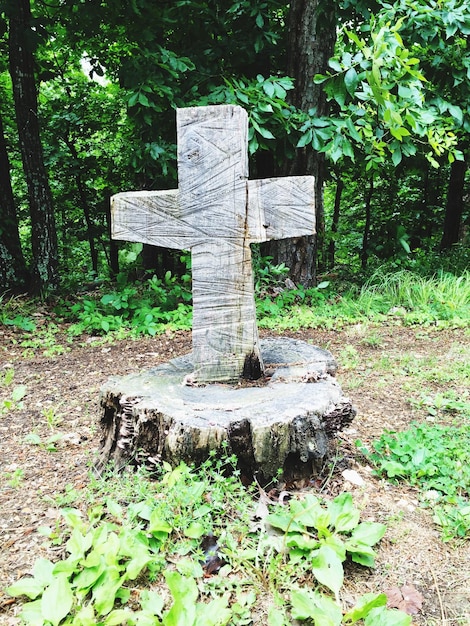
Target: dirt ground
62 398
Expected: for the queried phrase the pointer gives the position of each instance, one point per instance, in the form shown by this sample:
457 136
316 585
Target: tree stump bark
282 422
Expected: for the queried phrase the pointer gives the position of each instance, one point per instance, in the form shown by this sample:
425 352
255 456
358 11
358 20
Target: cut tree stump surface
284 422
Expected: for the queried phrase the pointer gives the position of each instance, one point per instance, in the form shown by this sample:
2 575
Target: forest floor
50 436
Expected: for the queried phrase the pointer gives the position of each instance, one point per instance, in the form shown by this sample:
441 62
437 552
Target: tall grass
410 290
443 299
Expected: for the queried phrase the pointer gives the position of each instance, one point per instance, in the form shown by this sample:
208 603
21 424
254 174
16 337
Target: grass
402 297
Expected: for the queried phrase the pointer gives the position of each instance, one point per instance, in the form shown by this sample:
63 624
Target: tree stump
282 422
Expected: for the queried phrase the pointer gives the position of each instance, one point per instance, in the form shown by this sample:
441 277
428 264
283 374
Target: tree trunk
311 40
13 273
44 237
454 205
366 234
84 202
335 221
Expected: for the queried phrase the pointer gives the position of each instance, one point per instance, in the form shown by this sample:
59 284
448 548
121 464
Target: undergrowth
154 305
434 457
194 548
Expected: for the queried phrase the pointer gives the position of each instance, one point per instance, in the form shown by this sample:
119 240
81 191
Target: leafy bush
147 308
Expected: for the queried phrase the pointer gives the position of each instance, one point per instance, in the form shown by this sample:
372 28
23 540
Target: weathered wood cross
217 213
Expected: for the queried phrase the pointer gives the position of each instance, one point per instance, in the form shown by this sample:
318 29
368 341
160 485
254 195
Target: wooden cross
217 213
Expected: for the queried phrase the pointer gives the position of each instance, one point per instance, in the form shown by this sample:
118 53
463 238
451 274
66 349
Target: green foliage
110 75
15 478
268 277
324 536
138 532
442 297
444 404
6 378
147 308
153 305
404 297
16 313
270 117
387 108
14 401
435 458
48 444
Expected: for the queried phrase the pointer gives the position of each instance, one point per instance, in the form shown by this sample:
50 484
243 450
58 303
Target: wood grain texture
217 213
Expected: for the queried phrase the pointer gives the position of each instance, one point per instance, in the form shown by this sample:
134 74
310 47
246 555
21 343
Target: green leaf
335 65
105 590
301 541
133 99
119 616
114 508
279 90
215 613
337 544
328 569
57 600
406 247
308 604
18 393
158 526
143 100
138 562
195 530
150 601
368 533
33 438
285 522
456 113
351 80
190 567
310 514
185 593
302 604
276 617
396 157
29 587
339 90
384 617
264 132
31 613
363 555
78 544
305 139
344 516
88 576
268 89
353 131
365 604
85 616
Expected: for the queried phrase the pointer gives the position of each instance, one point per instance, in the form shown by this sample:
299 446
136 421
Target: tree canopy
374 98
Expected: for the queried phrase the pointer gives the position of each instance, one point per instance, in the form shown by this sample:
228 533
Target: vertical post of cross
213 175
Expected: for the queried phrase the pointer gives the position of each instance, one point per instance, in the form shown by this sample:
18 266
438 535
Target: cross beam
216 212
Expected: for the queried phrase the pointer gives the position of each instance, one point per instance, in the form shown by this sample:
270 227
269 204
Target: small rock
353 477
